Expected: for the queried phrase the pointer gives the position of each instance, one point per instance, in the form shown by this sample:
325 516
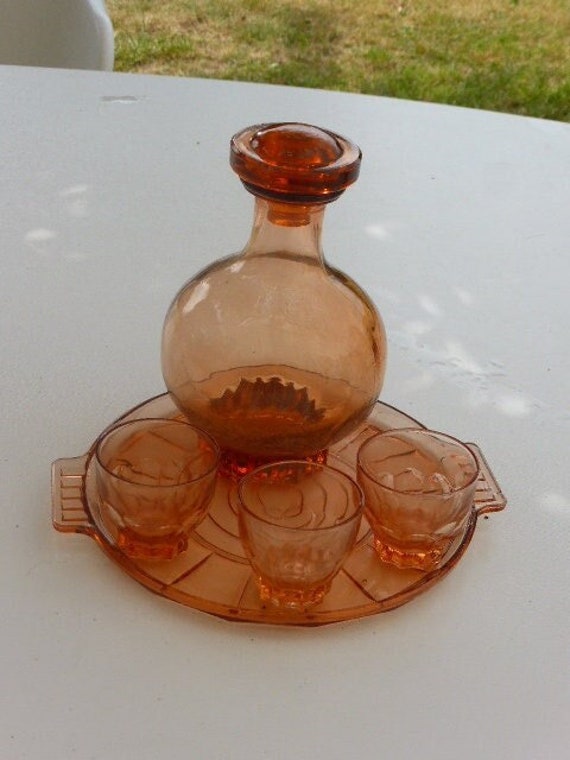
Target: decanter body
273 352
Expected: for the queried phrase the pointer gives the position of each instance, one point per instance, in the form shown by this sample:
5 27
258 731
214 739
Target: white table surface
114 189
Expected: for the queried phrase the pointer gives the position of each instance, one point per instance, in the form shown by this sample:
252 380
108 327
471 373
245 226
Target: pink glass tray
214 576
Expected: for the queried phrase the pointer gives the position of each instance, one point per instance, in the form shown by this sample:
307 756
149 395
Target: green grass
505 55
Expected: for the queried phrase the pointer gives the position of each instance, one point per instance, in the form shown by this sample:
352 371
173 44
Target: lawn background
504 55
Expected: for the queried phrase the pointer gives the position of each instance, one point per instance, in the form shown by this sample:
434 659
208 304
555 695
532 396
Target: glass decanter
272 351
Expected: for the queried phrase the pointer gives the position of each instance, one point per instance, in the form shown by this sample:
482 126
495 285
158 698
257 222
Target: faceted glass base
291 598
425 559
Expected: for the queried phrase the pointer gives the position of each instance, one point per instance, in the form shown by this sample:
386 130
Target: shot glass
155 480
298 522
418 489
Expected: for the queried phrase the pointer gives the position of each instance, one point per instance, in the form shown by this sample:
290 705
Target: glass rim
339 474
422 432
162 421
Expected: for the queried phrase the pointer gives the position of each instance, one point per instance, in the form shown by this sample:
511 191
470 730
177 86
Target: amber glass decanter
272 351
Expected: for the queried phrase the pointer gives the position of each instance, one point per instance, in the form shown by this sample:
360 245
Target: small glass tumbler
155 480
298 522
419 487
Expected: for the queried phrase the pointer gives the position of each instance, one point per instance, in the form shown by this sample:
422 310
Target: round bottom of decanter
236 464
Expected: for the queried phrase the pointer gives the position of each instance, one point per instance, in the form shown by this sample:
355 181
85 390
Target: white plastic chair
74 34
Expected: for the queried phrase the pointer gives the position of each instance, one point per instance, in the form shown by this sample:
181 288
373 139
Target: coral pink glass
419 487
155 481
272 351
298 521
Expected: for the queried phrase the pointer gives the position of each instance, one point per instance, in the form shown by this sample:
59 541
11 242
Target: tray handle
488 495
69 514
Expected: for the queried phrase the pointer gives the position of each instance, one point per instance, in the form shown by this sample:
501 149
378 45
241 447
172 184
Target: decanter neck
286 228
